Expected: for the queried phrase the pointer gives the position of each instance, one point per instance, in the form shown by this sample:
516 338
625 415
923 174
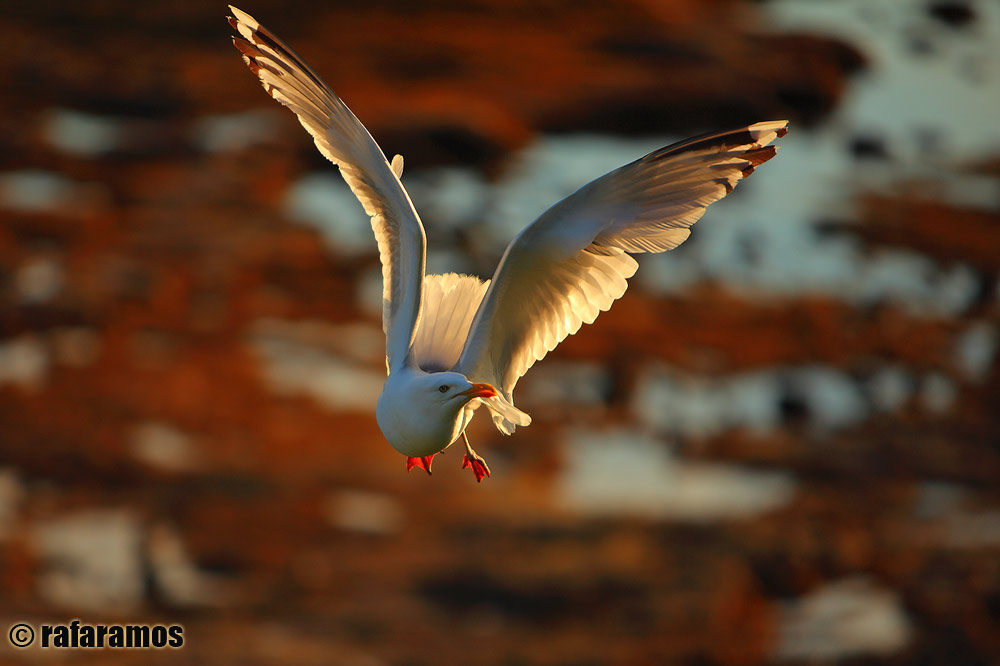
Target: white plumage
454 342
450 302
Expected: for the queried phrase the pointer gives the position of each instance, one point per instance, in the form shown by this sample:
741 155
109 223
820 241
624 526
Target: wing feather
450 302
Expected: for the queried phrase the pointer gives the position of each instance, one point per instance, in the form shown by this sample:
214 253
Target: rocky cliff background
782 446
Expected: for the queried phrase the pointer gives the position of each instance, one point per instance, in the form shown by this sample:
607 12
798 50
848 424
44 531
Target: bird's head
420 413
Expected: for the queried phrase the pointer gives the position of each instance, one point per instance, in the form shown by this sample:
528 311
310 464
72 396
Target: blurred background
781 446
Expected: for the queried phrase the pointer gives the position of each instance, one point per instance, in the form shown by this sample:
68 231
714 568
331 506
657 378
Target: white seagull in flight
455 342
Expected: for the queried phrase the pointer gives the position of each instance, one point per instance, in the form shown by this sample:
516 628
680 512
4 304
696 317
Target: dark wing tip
744 138
244 47
758 156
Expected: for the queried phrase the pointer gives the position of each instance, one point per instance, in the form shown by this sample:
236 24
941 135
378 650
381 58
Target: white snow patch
325 202
24 362
953 292
622 473
234 132
359 341
37 191
833 398
703 406
38 280
890 388
91 560
849 617
83 134
938 393
669 272
178 579
975 351
560 382
448 197
915 282
293 367
163 446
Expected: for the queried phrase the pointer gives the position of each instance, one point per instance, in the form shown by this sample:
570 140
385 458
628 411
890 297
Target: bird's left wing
341 137
571 263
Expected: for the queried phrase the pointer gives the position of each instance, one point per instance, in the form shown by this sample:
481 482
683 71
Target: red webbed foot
423 463
478 465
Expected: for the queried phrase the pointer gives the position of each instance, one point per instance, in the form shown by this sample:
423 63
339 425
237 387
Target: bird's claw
478 465
423 462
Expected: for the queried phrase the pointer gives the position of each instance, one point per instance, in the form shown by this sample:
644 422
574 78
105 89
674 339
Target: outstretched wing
342 138
571 264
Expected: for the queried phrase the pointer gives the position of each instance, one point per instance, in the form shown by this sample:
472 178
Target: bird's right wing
341 137
571 263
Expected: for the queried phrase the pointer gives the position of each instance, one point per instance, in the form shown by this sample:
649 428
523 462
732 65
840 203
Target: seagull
455 342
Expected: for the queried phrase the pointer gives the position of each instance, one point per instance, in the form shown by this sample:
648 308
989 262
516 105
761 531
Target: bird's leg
474 460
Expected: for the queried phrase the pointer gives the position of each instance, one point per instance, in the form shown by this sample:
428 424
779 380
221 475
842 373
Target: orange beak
480 391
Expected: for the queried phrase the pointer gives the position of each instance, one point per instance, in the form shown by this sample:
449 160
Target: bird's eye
443 388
